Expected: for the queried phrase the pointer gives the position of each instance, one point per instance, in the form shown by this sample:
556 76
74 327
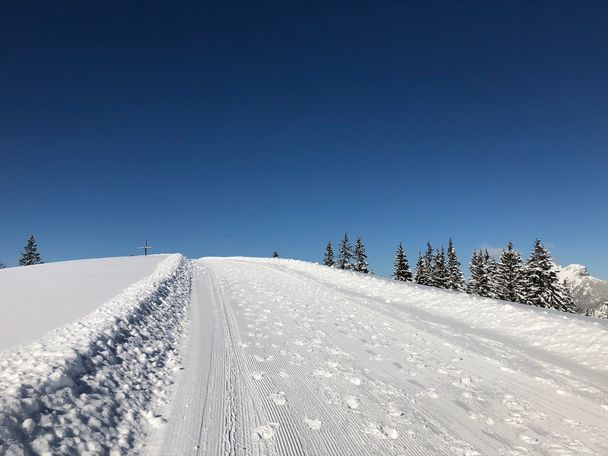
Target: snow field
40 298
96 386
291 358
577 339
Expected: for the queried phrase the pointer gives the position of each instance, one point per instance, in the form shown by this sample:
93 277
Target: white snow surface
37 299
291 358
243 356
95 386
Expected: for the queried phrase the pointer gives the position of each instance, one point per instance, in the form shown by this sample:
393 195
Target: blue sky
239 128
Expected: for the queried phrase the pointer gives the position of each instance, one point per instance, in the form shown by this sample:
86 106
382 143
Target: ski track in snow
291 358
238 356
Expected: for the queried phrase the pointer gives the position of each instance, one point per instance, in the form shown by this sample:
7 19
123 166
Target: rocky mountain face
590 293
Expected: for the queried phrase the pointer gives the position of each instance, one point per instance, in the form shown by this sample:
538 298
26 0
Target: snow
289 358
97 384
235 356
37 299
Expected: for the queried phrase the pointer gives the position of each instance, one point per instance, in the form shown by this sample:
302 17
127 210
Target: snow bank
39 298
96 385
577 339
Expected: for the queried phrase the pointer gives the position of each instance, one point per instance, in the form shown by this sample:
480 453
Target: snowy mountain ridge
588 292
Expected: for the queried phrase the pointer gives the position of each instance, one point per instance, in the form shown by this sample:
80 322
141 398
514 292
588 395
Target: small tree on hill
477 283
440 277
328 259
455 275
544 287
30 254
421 275
429 260
402 268
361 257
275 254
345 261
2 265
510 276
491 267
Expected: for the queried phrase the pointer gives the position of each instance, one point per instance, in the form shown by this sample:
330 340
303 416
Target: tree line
509 278
30 254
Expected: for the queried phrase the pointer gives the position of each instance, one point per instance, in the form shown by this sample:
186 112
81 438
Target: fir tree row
510 279
349 258
535 282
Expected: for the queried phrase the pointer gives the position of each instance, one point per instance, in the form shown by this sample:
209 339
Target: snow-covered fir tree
2 265
510 279
328 259
440 277
455 275
30 253
421 275
543 286
401 270
424 267
361 257
568 298
345 260
491 268
479 279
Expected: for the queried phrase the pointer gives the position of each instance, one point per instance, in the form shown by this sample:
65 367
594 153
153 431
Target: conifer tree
568 299
328 260
440 271
345 261
428 260
421 275
402 268
30 253
478 280
275 254
544 288
510 276
361 257
491 267
456 277
2 265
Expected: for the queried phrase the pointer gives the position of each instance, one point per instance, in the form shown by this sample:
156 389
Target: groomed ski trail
285 358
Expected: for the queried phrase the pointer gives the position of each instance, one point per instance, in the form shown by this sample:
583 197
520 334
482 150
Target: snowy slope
290 358
37 299
241 356
95 386
588 291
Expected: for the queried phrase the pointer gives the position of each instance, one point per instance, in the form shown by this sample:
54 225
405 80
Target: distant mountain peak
589 292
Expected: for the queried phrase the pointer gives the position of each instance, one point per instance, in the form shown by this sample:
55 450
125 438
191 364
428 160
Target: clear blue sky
239 128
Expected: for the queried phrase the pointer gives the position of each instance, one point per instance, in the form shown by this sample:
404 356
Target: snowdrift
577 339
94 385
37 299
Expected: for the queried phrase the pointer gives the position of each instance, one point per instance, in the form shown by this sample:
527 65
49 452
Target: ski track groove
348 373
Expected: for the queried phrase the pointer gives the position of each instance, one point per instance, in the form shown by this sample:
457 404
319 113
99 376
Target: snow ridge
98 385
574 337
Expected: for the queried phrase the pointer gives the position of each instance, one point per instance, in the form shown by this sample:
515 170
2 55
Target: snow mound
575 338
96 386
39 298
